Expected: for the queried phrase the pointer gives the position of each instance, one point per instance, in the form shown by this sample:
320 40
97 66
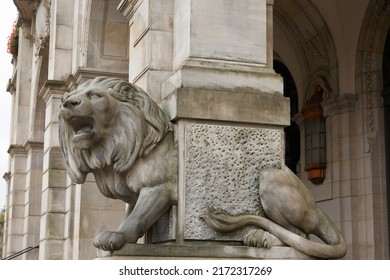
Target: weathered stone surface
222 75
222 164
205 251
224 105
150 27
204 29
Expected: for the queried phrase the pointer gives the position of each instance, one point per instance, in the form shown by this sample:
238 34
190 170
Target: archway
372 72
386 113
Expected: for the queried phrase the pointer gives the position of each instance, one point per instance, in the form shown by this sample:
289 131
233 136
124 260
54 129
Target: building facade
333 57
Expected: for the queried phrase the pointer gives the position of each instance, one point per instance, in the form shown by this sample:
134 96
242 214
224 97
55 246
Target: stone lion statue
291 216
113 129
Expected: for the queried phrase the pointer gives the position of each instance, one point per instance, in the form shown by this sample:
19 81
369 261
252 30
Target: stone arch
369 87
102 36
370 49
304 43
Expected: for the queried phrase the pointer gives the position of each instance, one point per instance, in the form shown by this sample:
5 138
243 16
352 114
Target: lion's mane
140 126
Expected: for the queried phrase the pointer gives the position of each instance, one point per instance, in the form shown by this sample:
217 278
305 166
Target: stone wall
179 53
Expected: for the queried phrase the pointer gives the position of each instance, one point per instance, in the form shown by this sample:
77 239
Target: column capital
16 149
339 104
52 88
32 146
26 8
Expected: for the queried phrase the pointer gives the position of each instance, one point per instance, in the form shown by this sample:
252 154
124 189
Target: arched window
292 135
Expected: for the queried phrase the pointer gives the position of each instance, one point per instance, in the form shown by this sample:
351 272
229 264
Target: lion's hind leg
287 202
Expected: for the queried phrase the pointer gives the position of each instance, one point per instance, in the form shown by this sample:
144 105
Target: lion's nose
71 103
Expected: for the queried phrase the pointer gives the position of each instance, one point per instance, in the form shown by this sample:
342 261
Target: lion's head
108 122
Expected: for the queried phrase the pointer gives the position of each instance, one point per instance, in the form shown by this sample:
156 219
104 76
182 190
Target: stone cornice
85 73
127 7
16 149
50 88
26 148
339 104
56 88
31 145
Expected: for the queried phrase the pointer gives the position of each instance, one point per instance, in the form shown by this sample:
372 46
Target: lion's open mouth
81 125
83 131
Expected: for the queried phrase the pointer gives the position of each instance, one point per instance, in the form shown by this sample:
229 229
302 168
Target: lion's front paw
109 240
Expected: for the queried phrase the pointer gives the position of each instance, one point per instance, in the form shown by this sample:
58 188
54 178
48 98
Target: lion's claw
256 238
109 240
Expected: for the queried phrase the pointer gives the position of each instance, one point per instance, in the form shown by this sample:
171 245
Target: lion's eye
94 96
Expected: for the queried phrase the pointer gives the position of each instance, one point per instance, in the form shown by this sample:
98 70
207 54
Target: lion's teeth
85 129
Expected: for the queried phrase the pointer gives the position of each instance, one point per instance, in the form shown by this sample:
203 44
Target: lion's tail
225 223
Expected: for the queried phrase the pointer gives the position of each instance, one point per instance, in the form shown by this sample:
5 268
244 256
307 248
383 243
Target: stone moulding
249 106
195 251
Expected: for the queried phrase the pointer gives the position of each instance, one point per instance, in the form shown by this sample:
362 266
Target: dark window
292 135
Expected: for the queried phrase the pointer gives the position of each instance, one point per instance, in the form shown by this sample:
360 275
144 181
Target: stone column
52 229
270 33
32 208
20 89
22 96
229 109
222 44
92 213
4 235
15 199
150 24
54 178
61 39
229 112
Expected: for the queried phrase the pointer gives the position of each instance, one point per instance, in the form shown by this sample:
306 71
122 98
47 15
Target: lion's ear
73 161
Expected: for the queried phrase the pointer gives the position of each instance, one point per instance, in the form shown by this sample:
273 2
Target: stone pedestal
225 138
229 113
196 251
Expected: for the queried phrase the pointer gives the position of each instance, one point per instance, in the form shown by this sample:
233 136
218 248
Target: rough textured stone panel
222 164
